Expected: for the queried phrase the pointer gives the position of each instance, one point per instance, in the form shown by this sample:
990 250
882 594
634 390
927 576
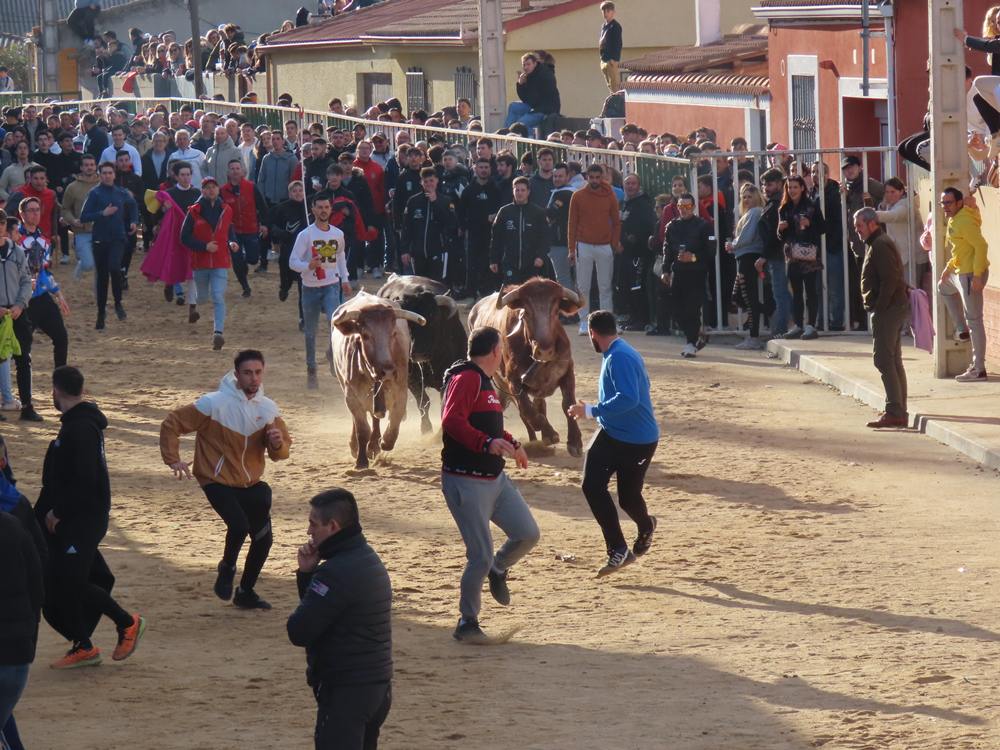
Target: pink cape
168 260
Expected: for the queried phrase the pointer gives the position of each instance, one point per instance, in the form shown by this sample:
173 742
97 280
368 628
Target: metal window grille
466 85
416 90
804 113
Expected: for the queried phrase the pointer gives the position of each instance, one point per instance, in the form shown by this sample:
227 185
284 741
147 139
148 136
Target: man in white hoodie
219 155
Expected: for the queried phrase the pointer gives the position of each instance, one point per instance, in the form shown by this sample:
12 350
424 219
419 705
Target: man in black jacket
774 255
557 212
688 253
520 242
638 224
287 219
74 505
611 47
537 91
430 228
477 208
344 623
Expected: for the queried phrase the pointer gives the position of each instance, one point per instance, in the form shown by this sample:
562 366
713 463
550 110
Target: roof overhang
366 40
831 12
705 84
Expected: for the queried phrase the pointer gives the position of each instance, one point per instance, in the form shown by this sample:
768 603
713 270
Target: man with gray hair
883 291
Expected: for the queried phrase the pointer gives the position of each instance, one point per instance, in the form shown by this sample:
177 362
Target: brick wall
991 315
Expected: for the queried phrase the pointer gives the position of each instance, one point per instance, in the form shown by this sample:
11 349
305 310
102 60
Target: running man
624 445
320 256
474 483
74 507
235 426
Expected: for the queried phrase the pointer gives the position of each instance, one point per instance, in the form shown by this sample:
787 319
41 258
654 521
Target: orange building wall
727 122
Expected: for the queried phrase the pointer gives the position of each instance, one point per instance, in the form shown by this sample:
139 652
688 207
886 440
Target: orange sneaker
128 639
78 657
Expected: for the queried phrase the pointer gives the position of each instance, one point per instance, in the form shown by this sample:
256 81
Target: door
376 87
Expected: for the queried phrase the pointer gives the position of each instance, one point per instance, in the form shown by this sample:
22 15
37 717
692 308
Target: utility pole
492 79
949 158
199 78
48 59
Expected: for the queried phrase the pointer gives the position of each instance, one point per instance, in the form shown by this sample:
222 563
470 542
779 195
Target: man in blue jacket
344 623
115 214
625 442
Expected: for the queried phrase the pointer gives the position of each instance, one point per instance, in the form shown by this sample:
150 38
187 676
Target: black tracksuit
76 488
520 237
638 224
477 204
429 234
288 218
688 282
21 593
344 623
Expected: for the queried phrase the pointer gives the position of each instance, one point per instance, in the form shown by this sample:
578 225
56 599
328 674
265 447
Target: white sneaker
972 375
14 405
794 333
809 333
689 351
750 344
376 273
583 328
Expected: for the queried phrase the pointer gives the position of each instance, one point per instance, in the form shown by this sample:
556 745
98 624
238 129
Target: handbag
801 252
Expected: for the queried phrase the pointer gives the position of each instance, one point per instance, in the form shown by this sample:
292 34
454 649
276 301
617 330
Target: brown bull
370 339
537 357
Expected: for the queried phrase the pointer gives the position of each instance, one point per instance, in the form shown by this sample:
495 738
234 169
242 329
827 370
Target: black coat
153 178
520 236
811 235
287 219
428 229
21 593
638 225
477 204
539 90
694 234
344 617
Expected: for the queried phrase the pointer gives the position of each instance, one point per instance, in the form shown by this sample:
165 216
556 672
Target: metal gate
466 85
804 114
416 90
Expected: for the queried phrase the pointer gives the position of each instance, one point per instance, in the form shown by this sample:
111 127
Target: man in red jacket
208 230
249 220
375 177
37 187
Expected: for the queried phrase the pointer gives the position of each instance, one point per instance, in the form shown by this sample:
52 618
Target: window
803 112
375 88
416 90
466 85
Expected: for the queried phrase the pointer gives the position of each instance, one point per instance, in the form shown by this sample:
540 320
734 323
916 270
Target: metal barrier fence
836 261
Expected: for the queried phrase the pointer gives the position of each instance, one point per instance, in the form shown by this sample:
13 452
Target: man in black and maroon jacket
474 483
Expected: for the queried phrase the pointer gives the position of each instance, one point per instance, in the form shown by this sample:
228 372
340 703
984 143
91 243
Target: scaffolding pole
493 81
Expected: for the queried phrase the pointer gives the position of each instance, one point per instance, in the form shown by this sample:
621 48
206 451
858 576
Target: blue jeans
835 287
5 390
84 244
211 282
314 299
12 682
523 113
782 297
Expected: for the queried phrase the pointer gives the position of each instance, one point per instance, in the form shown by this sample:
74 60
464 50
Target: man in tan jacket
72 205
594 228
235 427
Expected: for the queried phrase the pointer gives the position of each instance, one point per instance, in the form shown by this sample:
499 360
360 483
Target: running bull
436 346
370 339
536 355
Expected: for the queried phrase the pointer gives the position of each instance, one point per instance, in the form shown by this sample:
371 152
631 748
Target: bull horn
506 299
411 317
447 302
572 297
344 316
516 329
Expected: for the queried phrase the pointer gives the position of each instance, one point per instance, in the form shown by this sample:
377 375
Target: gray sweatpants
473 504
962 302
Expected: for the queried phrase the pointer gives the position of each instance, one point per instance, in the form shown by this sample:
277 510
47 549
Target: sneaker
193 315
128 639
217 341
750 344
312 382
64 261
583 328
246 293
468 631
168 292
120 311
28 414
376 273
702 342
260 269
617 560
645 540
249 600
972 376
224 581
794 333
272 255
498 587
689 351
809 333
78 657
14 405
654 331
99 325
180 300
282 295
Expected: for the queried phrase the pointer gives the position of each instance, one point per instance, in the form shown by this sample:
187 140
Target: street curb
942 431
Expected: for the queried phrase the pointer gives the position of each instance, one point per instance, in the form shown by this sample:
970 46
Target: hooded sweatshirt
968 246
217 160
74 198
594 217
231 435
274 175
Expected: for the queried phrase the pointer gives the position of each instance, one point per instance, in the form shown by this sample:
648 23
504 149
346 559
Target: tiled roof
731 49
456 21
739 85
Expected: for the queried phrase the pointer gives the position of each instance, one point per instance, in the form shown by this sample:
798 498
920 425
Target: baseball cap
209 178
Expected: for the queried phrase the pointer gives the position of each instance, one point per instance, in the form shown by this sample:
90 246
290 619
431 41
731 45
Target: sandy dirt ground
811 584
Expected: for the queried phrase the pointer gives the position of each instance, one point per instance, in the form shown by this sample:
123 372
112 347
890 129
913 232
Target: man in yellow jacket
236 425
964 278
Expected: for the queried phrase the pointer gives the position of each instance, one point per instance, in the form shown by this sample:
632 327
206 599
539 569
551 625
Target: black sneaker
282 295
99 325
120 311
249 600
498 587
468 631
28 414
218 341
645 540
617 560
246 293
180 300
224 581
312 382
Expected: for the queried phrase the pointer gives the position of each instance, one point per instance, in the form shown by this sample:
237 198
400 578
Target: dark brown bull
370 339
537 357
434 347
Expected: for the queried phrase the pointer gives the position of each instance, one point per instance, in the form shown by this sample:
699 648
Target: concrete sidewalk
965 416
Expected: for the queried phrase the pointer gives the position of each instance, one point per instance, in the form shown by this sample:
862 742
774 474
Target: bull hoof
575 450
551 438
387 446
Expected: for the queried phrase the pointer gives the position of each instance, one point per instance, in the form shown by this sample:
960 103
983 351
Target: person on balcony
536 87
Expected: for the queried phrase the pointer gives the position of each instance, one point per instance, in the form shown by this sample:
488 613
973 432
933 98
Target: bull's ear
347 327
567 307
